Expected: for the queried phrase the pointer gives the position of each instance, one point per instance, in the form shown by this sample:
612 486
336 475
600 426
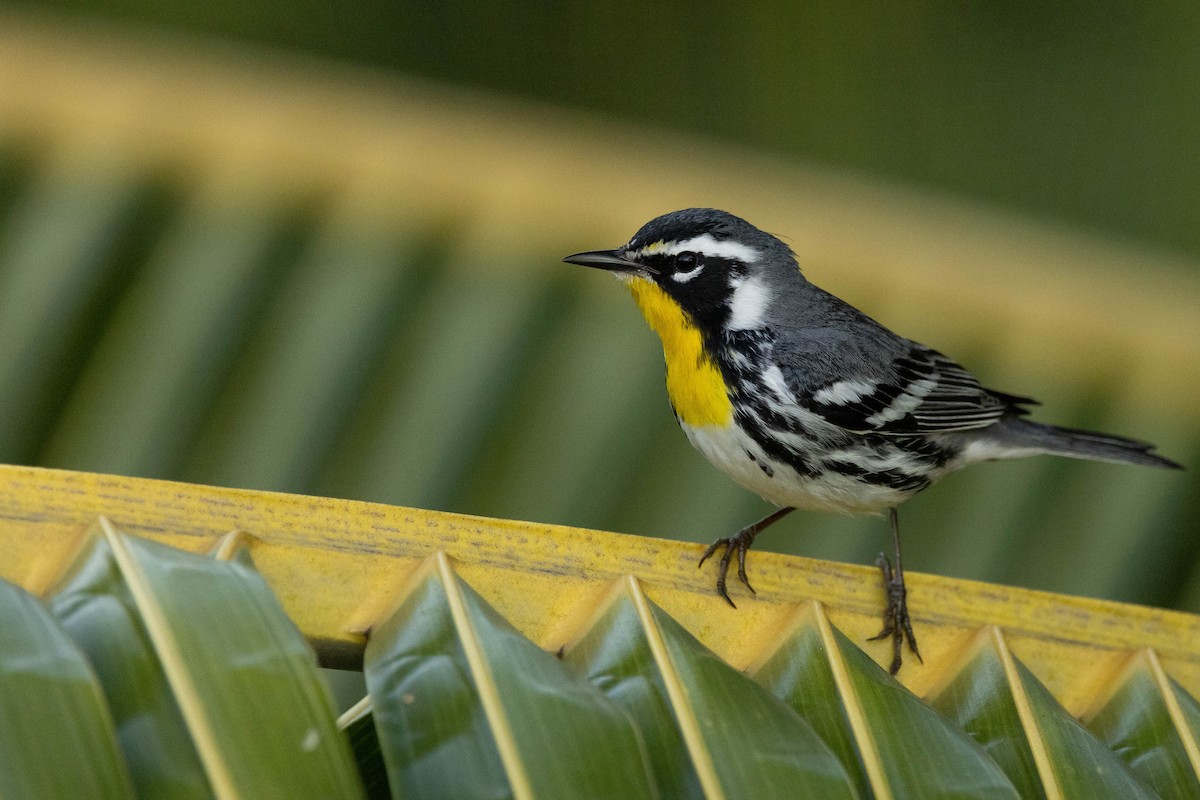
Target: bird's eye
687 266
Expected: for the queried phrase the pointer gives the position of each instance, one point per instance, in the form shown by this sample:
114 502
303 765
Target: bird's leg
896 622
740 542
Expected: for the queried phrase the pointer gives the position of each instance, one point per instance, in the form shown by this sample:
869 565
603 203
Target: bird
808 402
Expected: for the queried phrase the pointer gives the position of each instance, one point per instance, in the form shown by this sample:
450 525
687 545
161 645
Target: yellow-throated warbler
805 400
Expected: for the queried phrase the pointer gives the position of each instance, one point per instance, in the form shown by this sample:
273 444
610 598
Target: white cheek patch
748 304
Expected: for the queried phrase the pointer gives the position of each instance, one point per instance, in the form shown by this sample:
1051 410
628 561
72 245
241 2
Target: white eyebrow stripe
705 243
709 245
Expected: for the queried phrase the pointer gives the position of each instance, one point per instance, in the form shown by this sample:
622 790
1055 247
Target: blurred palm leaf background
231 265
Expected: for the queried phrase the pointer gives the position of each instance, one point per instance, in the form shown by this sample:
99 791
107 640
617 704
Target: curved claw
742 548
738 543
712 548
723 570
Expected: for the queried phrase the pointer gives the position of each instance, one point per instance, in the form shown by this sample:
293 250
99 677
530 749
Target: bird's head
720 270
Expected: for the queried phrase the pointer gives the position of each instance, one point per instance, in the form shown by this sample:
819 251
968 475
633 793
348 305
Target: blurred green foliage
1081 111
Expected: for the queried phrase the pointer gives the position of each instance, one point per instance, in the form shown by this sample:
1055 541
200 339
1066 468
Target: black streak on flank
766 468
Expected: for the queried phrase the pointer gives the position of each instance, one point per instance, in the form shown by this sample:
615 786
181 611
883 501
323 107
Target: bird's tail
1074 443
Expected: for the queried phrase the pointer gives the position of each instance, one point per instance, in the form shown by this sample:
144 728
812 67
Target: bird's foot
896 622
738 543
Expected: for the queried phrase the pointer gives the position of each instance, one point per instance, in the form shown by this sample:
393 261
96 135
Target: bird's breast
694 383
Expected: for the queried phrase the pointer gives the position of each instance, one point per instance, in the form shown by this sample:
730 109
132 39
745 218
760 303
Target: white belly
740 457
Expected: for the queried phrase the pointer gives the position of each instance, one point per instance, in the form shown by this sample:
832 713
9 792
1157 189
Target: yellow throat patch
694 383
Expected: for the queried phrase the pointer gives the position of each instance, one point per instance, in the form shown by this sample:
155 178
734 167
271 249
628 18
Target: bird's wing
913 389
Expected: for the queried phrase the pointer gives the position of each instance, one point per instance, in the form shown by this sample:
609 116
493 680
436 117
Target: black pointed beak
603 259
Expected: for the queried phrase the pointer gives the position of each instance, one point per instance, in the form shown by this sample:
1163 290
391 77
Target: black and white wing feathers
918 391
845 367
